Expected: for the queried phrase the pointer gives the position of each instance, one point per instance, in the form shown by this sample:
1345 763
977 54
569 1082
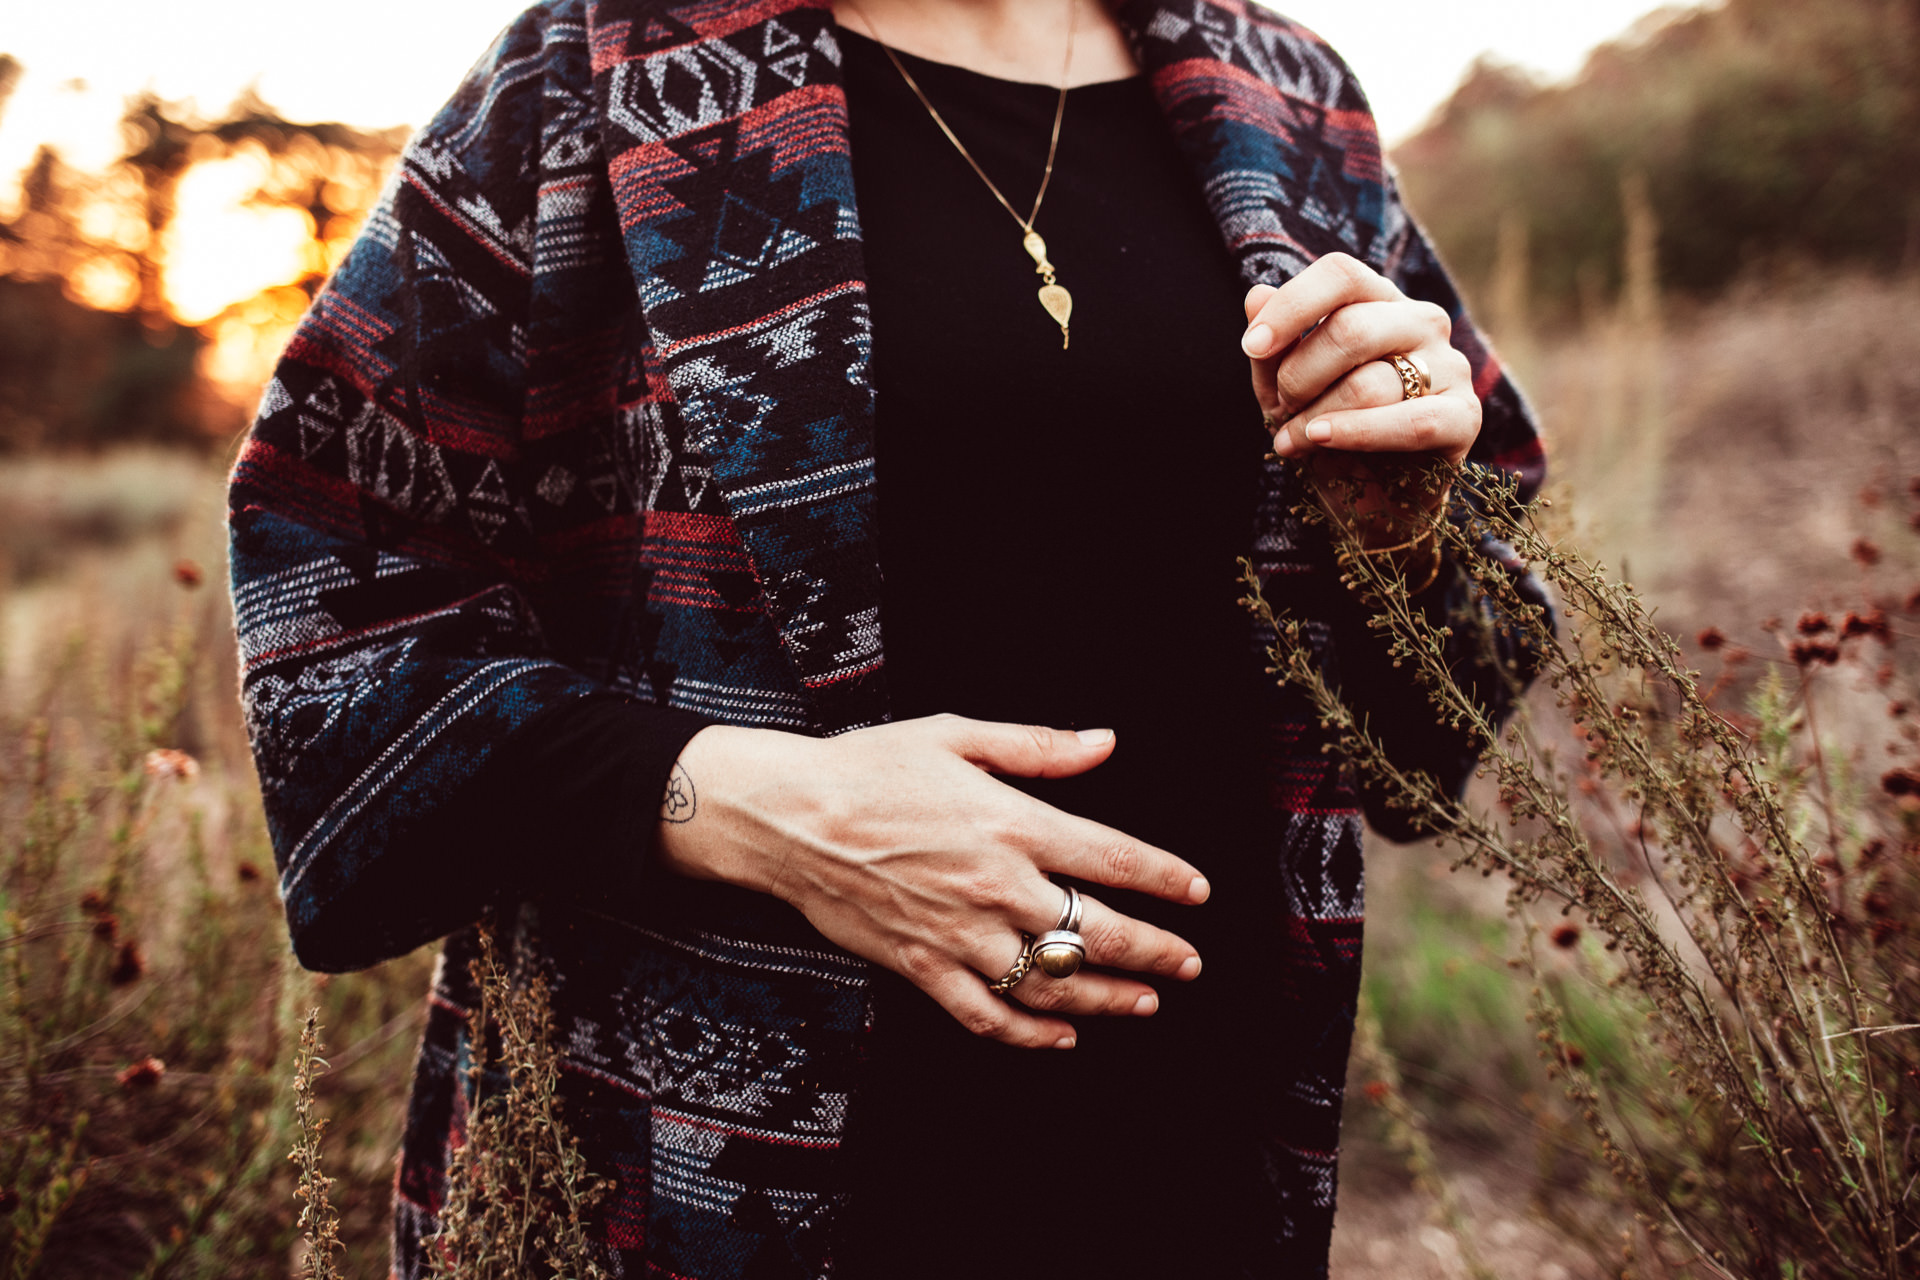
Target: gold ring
1415 380
1021 968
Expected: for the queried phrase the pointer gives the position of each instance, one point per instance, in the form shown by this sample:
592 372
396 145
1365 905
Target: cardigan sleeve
1489 657
386 559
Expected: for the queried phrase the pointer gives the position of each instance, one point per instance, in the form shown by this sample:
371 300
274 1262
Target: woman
700 351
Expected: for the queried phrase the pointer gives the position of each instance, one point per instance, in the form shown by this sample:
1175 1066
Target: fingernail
1189 969
1064 1042
1320 432
1198 889
1094 737
1258 340
1146 1004
1283 444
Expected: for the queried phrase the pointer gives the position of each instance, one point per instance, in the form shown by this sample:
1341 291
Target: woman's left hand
1320 347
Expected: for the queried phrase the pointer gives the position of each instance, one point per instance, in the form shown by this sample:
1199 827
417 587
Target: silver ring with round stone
1061 951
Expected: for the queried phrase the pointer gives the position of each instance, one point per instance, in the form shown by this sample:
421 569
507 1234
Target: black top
1058 533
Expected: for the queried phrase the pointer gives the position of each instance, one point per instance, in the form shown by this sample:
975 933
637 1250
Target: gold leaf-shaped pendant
1059 305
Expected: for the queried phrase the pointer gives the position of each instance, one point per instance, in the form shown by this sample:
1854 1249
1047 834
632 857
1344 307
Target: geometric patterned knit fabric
586 408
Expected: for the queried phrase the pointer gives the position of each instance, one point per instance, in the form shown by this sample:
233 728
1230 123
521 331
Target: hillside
1769 133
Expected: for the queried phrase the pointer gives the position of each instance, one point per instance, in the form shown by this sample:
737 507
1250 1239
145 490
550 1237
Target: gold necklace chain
1053 296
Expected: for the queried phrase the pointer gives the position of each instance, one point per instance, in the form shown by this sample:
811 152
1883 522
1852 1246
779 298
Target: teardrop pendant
1059 305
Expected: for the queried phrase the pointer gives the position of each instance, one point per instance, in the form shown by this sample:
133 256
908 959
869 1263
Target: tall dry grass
149 1006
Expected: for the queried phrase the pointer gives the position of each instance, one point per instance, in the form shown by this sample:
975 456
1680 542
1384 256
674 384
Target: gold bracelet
1433 574
1398 546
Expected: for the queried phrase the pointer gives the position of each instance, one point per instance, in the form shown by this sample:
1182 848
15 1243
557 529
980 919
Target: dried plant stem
1743 969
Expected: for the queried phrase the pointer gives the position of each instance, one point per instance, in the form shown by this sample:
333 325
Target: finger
1326 285
1087 850
965 996
1087 994
1114 941
1349 339
1442 426
1024 750
1374 384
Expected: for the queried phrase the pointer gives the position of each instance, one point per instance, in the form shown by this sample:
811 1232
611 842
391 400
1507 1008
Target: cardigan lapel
1275 126
725 130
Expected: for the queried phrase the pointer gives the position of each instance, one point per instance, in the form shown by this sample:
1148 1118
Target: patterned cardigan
587 409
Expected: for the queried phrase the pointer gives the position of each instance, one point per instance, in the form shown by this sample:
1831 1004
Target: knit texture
586 409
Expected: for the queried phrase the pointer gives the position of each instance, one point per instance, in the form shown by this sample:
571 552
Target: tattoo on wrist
679 803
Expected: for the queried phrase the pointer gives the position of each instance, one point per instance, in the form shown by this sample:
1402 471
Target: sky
384 62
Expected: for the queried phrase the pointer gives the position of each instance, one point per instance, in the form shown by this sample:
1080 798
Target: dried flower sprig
1721 921
519 1193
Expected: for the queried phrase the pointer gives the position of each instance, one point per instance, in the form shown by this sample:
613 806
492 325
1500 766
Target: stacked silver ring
1061 950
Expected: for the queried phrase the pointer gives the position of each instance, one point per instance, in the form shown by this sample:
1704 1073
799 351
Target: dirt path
1387 1233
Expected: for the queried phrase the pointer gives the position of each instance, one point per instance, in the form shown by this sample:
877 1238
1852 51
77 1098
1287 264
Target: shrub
1726 885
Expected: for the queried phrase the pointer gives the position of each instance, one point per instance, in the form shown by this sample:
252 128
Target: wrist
701 832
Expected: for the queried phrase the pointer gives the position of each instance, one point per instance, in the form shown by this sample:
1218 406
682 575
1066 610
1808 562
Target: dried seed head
1711 639
1866 551
128 964
169 763
143 1074
1807 652
1566 934
1813 622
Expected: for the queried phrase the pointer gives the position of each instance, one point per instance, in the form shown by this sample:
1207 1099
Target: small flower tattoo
678 804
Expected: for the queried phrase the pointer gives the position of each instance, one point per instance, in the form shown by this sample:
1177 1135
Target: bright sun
224 246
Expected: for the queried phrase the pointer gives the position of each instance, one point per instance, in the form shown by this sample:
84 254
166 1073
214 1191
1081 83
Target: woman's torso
1058 533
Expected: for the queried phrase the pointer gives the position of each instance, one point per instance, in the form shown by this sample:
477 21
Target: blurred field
150 998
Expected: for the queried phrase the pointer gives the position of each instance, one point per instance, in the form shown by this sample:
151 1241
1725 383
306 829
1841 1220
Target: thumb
1027 750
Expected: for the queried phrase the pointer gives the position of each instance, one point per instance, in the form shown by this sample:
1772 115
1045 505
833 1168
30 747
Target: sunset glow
224 247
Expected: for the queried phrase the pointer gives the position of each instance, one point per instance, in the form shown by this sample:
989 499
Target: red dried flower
1572 1054
1565 934
1871 623
1805 652
1377 1091
188 573
128 964
143 1074
1813 622
1901 782
247 871
1866 552
106 927
1712 638
1877 903
94 902
1896 709
169 763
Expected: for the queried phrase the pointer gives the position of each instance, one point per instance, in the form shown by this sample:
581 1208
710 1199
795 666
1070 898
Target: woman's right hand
898 844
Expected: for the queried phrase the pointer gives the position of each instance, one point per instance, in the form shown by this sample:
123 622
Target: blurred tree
1768 131
94 345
